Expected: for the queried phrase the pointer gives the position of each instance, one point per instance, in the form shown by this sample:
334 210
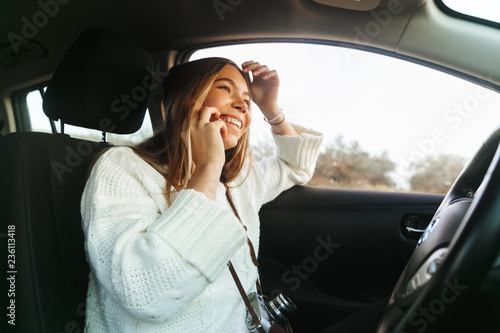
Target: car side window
40 123
389 124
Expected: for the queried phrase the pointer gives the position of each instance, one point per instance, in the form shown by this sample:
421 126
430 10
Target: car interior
433 259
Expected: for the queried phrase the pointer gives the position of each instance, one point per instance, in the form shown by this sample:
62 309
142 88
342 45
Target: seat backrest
42 177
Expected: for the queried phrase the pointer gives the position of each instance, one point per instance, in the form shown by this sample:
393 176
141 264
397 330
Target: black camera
275 311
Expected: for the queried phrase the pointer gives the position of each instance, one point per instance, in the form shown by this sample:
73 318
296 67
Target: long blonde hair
185 90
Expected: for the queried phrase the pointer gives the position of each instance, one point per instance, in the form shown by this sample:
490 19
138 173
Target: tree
347 165
435 174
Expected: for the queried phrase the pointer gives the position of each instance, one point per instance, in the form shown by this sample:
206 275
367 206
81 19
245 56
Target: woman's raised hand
264 88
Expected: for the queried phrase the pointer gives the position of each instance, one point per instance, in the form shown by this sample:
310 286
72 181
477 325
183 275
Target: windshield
483 9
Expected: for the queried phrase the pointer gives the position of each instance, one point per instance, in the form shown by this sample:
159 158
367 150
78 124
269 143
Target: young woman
159 227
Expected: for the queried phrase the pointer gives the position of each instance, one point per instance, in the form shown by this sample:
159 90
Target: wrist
271 112
205 179
211 170
276 121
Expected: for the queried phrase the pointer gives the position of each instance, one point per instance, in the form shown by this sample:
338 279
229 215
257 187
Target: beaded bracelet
270 122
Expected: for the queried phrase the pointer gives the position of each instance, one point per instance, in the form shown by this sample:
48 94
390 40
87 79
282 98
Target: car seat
42 177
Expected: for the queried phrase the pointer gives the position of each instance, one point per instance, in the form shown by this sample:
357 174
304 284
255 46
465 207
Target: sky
486 9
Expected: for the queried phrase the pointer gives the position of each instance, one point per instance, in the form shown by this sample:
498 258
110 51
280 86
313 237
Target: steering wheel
454 254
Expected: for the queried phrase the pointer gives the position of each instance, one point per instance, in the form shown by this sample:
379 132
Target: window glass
40 123
484 9
388 124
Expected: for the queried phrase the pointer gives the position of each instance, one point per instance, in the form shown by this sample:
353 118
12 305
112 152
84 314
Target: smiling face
230 95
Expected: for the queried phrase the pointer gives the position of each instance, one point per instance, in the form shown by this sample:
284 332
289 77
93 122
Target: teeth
232 121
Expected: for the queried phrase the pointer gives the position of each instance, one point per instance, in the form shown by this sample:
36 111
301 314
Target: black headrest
103 82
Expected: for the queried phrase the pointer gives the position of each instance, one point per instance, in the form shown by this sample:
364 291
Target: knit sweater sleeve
153 261
293 164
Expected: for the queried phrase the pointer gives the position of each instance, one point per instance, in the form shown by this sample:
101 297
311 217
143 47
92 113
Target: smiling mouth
232 120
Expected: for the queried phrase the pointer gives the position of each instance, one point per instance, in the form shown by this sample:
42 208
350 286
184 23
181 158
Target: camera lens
280 308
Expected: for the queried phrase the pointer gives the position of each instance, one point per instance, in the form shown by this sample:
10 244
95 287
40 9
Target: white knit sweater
156 268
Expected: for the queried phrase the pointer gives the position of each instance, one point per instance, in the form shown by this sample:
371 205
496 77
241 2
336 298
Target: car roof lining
164 30
466 41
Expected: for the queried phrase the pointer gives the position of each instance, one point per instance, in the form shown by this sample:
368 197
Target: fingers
208 114
259 70
211 116
223 129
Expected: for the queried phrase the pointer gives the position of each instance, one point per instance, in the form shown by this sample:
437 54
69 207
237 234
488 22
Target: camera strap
255 319
230 199
252 250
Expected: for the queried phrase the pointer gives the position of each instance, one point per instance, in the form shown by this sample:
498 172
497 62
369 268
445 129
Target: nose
241 109
240 105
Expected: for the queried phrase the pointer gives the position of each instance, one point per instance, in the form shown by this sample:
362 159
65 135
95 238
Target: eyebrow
232 83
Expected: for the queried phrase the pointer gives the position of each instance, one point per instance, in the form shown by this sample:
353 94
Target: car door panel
337 250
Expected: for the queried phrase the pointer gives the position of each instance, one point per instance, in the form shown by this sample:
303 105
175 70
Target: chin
230 144
227 147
